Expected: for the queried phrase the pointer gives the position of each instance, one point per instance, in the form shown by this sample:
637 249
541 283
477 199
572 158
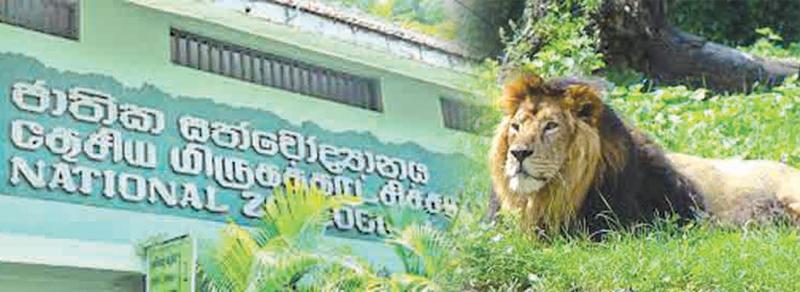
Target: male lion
738 191
565 160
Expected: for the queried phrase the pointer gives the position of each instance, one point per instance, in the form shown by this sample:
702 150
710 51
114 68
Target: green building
128 120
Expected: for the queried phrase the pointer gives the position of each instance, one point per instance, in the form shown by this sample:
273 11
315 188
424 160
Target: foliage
770 44
558 42
474 23
759 125
665 258
284 252
426 16
734 22
756 125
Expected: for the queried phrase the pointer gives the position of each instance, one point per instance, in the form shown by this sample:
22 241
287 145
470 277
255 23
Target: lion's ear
517 90
585 102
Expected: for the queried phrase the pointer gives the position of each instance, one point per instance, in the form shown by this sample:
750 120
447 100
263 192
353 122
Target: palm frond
424 250
281 271
297 216
232 261
281 250
343 274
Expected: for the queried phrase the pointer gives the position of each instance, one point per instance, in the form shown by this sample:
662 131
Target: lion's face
545 126
538 136
553 145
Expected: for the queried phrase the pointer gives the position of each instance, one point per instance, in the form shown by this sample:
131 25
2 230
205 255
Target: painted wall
124 51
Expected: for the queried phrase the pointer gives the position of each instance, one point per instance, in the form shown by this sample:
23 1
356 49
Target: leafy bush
735 22
556 43
769 44
761 125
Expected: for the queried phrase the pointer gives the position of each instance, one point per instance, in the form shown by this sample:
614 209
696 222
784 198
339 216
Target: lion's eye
515 127
550 126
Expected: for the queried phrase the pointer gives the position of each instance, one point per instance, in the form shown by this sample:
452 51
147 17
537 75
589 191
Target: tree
638 34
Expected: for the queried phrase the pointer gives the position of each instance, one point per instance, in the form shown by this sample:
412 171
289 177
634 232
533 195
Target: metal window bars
234 61
55 17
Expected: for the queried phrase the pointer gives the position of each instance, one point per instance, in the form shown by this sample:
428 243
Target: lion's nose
520 155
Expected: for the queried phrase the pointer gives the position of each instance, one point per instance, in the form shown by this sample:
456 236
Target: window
257 67
461 115
56 17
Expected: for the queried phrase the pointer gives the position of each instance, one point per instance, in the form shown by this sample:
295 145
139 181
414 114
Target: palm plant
427 254
283 249
282 252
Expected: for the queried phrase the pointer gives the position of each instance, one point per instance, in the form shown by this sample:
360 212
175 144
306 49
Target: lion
565 160
739 191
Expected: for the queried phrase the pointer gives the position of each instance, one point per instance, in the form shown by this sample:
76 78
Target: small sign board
171 265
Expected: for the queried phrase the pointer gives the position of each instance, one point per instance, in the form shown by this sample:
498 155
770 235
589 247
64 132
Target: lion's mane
613 175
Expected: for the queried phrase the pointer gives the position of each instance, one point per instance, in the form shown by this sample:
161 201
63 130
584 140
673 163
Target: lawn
695 258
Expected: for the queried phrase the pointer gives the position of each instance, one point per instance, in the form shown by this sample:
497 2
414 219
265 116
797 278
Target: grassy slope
762 125
697 258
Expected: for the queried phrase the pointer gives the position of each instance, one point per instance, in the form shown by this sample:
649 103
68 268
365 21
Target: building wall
130 42
127 42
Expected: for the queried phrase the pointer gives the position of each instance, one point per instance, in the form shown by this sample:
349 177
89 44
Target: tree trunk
636 34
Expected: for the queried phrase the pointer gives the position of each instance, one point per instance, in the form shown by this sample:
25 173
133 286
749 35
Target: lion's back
738 190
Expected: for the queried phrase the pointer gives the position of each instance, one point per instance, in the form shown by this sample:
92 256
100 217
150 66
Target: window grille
234 61
460 115
55 17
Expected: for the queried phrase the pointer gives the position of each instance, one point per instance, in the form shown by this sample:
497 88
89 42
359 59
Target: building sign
86 139
171 265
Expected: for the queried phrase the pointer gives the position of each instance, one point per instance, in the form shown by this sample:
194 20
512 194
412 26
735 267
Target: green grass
760 125
665 258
